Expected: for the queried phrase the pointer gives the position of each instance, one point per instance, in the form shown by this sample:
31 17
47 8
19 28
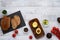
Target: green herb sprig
4 12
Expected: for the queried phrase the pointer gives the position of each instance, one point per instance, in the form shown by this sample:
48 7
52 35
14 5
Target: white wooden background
41 9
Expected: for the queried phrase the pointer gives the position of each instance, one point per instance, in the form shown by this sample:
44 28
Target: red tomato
14 35
30 37
16 31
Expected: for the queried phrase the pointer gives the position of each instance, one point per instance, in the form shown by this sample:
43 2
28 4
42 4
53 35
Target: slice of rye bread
5 23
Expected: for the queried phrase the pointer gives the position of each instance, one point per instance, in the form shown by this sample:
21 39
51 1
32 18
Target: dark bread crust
5 23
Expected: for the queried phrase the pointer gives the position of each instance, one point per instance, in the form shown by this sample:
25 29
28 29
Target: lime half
45 22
